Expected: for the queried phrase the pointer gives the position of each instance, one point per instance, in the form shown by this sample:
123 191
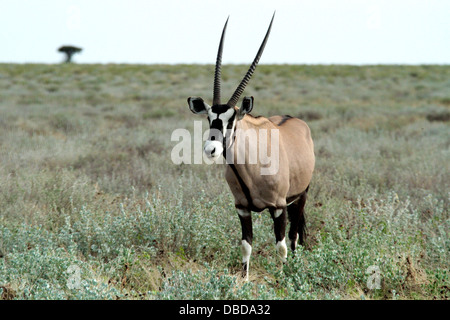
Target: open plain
92 207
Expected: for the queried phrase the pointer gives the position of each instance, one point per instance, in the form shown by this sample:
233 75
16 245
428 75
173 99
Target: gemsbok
283 190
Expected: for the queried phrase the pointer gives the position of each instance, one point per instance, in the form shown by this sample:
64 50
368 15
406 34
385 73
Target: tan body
296 165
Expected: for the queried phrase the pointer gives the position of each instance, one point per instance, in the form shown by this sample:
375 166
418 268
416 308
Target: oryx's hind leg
296 213
245 216
279 226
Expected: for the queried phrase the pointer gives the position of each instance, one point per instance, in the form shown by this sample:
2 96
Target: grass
91 206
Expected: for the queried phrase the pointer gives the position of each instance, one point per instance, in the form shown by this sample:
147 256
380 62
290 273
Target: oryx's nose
210 150
213 149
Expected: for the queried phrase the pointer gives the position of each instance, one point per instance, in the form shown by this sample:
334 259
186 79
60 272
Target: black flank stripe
285 118
243 186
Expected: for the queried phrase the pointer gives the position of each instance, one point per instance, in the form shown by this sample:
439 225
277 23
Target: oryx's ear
197 105
247 106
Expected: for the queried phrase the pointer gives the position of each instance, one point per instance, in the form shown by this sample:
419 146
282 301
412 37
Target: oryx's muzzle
213 149
214 146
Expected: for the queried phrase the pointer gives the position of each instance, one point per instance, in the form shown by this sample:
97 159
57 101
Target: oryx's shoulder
258 121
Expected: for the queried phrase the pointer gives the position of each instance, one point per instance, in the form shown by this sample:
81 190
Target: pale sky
188 31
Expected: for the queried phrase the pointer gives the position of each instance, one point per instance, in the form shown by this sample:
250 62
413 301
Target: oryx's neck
249 135
241 126
243 157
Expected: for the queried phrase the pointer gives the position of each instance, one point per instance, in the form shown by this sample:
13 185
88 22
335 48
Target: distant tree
69 51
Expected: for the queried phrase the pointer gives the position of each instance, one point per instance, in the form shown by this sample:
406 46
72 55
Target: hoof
244 272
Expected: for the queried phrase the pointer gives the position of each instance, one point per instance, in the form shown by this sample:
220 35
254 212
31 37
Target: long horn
216 96
234 99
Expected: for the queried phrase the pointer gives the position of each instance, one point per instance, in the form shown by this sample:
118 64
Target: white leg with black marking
247 236
293 243
246 250
282 249
279 221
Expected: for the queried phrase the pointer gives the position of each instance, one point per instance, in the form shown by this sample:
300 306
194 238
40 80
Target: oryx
282 192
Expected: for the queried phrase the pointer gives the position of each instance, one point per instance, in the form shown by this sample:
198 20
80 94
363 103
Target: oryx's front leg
279 221
245 216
